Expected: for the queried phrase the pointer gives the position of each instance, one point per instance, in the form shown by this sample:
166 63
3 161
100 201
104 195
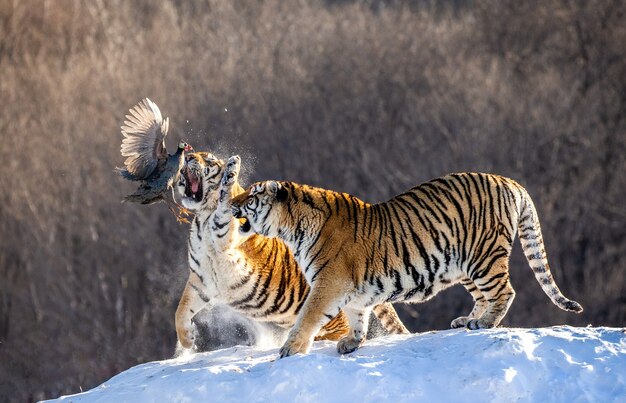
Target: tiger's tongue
194 186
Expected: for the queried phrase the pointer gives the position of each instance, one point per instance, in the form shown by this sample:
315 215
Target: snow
503 365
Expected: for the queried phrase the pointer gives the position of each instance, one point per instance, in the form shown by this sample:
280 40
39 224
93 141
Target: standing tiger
455 229
255 275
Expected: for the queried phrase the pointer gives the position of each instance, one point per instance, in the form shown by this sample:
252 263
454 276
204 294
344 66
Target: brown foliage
366 97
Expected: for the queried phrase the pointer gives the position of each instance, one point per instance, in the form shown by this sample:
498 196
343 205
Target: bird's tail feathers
123 172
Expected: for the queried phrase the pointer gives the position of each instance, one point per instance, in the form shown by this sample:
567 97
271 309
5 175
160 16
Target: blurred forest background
368 97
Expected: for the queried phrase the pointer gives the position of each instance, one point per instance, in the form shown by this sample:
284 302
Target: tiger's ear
278 190
282 193
206 156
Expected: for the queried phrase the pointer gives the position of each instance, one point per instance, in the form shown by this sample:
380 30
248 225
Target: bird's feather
144 132
123 172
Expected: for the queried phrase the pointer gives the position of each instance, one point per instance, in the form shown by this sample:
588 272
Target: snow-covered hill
503 365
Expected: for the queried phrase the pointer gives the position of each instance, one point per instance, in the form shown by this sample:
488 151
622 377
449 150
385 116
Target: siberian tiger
255 275
455 229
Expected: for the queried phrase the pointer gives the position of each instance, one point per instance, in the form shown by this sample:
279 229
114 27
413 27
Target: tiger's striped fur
255 275
455 229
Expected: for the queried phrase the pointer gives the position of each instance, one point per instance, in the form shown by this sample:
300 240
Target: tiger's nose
236 211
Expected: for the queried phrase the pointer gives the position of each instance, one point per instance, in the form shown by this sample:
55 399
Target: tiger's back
455 229
458 228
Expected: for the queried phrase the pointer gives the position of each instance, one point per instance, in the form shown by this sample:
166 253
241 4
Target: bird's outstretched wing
144 139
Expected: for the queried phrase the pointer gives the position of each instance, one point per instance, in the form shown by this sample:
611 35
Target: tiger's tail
534 250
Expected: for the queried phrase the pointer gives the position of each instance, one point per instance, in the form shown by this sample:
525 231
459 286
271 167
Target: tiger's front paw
231 171
295 345
229 177
459 322
479 324
349 344
186 334
181 351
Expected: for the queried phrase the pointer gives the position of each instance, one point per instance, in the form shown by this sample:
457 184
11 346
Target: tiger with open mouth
255 275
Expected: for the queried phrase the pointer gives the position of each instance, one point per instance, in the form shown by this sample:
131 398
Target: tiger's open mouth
193 185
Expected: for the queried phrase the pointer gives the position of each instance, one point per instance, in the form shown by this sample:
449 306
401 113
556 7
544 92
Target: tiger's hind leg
388 317
359 321
335 330
480 304
339 327
498 292
191 302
